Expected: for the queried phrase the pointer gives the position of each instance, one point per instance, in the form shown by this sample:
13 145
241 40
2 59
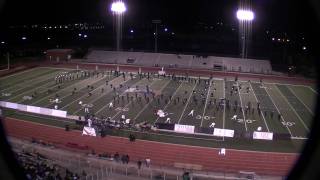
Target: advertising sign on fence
262 135
34 109
223 132
184 128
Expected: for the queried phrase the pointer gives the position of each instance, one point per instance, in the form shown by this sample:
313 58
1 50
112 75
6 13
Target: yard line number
124 109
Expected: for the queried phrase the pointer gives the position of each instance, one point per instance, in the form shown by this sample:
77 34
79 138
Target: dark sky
277 14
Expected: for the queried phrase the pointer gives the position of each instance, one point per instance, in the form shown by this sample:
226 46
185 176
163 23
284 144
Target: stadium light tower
118 8
245 16
156 22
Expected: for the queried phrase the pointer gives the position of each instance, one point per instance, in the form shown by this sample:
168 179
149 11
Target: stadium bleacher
180 61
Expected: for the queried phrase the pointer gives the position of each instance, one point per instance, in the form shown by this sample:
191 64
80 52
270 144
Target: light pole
118 8
156 22
245 17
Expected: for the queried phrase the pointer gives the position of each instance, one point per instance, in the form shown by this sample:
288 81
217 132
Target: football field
204 103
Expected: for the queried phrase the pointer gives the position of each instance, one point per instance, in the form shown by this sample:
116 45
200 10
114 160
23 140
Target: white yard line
244 117
300 100
185 107
279 113
32 80
293 110
224 108
145 106
128 103
67 87
67 94
29 83
107 104
25 92
312 90
67 105
15 74
165 107
205 106
93 100
264 119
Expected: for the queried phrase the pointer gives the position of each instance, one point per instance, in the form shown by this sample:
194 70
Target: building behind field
180 61
58 55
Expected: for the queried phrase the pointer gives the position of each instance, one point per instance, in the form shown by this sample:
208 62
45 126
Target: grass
295 104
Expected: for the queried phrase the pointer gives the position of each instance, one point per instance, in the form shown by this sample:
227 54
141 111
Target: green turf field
177 98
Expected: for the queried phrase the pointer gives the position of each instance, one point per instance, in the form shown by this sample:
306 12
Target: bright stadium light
23 38
245 15
118 7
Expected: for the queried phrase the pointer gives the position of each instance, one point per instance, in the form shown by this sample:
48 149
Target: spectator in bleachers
116 157
139 164
37 166
127 159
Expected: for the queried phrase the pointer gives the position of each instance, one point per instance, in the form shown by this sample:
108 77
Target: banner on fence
262 135
34 109
89 131
223 132
184 128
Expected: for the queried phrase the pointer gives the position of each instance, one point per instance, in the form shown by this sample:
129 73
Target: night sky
280 15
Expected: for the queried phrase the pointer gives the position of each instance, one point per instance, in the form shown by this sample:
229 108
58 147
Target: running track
162 154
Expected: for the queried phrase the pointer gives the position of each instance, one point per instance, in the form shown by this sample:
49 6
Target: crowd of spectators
37 166
124 158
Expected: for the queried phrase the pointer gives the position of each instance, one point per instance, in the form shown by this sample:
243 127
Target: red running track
162 154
